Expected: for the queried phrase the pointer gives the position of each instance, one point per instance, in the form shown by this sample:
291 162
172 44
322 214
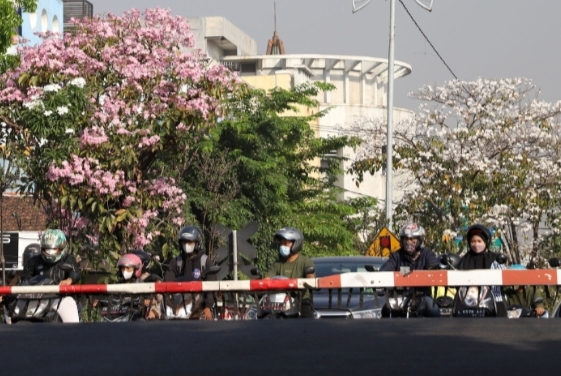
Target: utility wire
427 39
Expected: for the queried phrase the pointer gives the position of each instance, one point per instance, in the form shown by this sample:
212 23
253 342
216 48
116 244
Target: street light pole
358 5
389 148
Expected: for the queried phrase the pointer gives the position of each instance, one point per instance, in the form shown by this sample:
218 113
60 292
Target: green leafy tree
273 155
10 20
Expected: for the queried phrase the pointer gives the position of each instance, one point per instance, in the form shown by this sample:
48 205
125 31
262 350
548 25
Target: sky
477 38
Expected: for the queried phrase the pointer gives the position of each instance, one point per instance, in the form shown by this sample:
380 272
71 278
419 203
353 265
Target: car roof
349 259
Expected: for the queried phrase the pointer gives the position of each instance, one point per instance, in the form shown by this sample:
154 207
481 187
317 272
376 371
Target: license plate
471 312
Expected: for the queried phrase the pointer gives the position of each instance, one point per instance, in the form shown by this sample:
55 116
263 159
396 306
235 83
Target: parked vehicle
348 303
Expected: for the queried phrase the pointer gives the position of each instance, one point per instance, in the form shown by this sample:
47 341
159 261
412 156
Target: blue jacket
402 258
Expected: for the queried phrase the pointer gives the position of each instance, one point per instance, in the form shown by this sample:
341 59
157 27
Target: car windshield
323 270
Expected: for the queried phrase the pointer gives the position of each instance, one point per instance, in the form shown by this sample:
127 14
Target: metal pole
235 268
389 149
2 259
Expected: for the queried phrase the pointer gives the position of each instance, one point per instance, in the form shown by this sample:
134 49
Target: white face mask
284 250
127 275
188 248
478 248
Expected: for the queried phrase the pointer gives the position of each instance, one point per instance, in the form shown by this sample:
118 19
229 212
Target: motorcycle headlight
368 314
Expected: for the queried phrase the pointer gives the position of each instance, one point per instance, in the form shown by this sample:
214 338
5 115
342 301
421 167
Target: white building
360 82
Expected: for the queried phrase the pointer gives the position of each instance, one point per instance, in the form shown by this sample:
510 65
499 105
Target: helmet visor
51 251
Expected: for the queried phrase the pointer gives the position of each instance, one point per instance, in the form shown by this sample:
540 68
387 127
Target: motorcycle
473 301
279 304
120 309
403 301
36 307
516 311
187 306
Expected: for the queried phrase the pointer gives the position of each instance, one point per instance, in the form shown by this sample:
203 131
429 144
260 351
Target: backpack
179 261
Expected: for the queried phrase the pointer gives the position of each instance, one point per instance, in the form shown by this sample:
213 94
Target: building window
56 27
33 20
248 68
44 21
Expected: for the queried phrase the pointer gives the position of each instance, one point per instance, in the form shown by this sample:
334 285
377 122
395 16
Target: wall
49 16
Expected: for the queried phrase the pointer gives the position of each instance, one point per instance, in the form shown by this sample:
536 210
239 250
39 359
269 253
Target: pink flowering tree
105 118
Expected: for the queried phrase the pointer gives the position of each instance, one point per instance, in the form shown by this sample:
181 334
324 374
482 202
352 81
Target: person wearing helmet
131 269
292 263
54 254
192 263
413 255
145 261
524 296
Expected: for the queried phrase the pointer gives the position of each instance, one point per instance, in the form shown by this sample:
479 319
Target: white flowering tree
483 151
104 118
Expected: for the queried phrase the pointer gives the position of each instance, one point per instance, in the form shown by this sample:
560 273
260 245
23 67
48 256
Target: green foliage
10 20
262 163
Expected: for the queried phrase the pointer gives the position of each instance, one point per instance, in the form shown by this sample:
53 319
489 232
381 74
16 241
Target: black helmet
292 234
479 229
191 233
30 251
144 257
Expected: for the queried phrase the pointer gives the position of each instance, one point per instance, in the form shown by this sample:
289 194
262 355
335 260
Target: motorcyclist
480 257
413 255
292 263
54 253
191 263
523 296
134 269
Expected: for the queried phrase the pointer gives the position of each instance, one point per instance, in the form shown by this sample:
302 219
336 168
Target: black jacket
191 269
401 258
38 266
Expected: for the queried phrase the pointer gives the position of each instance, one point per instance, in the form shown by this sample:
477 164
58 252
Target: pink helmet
133 260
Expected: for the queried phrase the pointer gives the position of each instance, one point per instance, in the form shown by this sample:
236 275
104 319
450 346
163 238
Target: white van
14 245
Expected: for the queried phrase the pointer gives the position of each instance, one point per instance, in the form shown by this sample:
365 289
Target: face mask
410 246
127 275
284 250
188 248
478 248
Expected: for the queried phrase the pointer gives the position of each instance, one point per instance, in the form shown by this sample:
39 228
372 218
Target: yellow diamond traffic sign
384 244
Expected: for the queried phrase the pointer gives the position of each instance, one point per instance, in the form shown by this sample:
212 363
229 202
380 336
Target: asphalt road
283 347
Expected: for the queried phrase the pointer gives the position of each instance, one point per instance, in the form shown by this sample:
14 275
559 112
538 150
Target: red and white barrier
549 277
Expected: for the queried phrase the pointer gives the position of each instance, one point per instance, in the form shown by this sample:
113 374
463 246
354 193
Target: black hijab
472 260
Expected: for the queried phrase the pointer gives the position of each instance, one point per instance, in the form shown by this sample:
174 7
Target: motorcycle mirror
370 268
66 267
309 270
554 262
444 259
501 259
